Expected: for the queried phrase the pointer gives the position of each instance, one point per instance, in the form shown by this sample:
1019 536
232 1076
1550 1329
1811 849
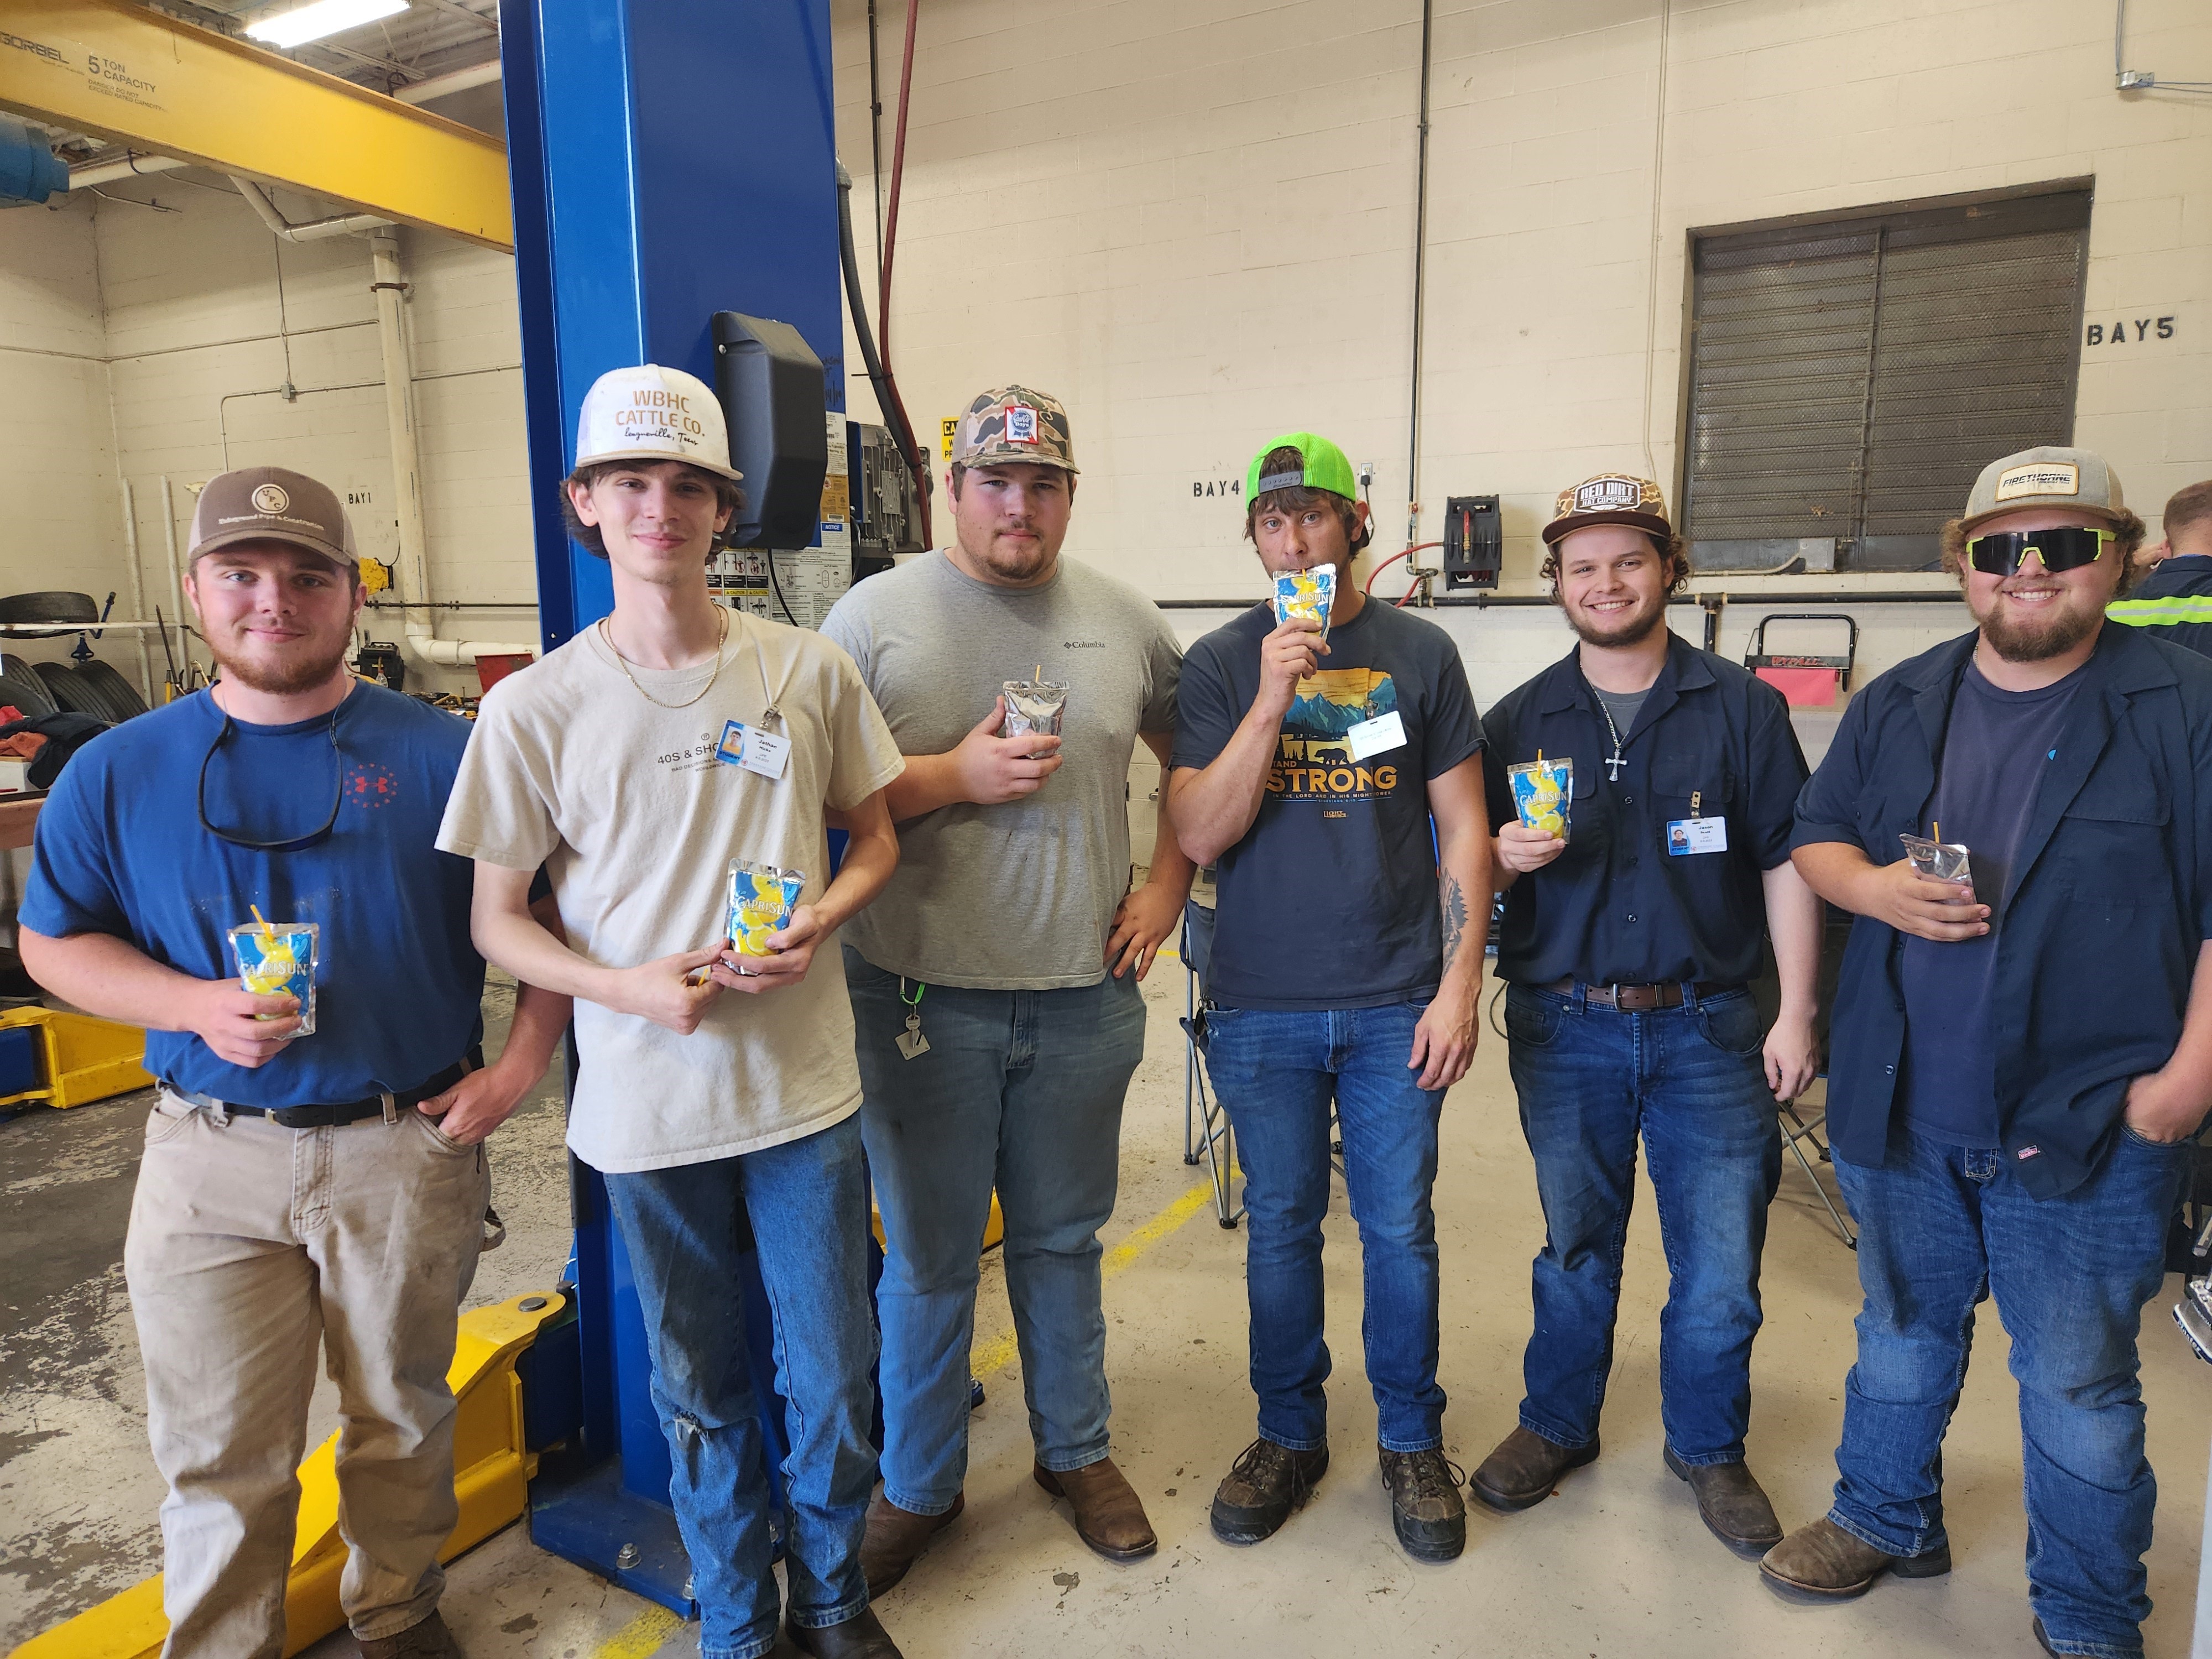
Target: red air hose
1370 587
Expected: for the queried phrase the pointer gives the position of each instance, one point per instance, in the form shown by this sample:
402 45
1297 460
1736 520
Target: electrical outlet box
1475 541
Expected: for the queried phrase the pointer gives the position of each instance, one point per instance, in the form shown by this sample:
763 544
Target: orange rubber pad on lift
1803 688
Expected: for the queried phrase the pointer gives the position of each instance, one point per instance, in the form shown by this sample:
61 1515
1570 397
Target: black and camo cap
1011 423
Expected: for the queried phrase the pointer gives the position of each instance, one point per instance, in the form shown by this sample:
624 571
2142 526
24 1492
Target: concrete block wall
1193 220
63 527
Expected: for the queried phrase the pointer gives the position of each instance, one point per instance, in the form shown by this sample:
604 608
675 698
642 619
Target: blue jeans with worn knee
806 1202
1690 1081
1020 1091
1941 1227
1276 1072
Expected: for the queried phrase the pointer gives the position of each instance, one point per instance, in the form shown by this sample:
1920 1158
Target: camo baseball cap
1609 498
1322 467
2046 476
1013 423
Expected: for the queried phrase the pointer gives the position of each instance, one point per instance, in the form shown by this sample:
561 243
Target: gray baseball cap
2046 476
271 504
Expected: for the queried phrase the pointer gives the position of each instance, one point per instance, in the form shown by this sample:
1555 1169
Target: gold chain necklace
623 663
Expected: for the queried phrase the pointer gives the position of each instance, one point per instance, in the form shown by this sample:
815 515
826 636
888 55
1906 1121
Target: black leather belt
387 1107
1636 998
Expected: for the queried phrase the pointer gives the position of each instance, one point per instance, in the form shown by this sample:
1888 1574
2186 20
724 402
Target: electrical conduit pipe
421 641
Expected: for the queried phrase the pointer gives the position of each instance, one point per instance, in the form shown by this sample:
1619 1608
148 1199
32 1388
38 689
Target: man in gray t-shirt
996 1011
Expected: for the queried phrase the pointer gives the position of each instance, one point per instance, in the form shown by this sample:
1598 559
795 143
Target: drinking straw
268 933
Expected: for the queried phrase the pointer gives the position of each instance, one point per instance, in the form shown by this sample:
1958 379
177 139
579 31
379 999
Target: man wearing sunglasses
2019 1050
300 1186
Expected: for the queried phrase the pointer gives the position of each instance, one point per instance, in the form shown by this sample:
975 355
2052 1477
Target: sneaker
1426 1507
1264 1484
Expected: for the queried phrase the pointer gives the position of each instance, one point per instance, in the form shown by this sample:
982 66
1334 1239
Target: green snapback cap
1324 468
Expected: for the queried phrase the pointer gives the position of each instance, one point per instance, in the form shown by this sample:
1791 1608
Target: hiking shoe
1264 1484
1426 1507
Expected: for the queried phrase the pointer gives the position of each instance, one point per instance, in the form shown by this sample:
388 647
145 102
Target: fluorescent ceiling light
300 25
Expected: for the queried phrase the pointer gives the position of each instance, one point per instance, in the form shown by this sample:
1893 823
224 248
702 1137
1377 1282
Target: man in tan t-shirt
636 762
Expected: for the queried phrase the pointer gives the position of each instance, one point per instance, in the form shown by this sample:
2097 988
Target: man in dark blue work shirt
313 1171
1346 963
2017 1055
2174 600
1628 943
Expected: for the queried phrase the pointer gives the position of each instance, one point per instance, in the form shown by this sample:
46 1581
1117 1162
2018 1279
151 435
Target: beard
1016 561
297 671
1640 627
2041 640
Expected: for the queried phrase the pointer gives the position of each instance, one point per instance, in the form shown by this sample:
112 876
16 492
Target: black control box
1475 541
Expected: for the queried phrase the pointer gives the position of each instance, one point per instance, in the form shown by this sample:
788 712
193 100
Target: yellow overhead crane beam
138 77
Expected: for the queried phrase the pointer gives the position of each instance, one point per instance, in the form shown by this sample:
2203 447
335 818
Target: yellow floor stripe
641 1637
1000 1352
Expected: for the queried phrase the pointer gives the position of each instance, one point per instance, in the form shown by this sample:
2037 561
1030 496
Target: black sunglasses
2067 548
296 843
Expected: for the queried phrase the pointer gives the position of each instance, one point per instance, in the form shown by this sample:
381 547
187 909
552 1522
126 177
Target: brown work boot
1522 1472
861 1637
1108 1516
430 1639
895 1539
1426 1507
1263 1486
1822 1562
1732 1503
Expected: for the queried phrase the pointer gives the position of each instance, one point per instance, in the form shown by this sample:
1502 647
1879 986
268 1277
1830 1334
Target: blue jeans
1940 1228
1021 1090
1276 1072
1691 1080
807 1204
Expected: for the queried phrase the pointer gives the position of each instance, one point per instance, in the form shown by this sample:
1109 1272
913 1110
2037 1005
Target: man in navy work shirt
2173 601
1345 966
2018 1054
300 1183
1628 942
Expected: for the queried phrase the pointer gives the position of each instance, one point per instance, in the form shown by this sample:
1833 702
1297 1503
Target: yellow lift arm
491 1475
138 77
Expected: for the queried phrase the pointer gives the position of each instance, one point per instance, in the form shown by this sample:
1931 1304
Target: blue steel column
669 161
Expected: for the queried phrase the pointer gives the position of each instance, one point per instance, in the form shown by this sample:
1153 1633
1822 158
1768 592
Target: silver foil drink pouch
1543 794
1035 708
1939 860
761 897
1307 593
279 958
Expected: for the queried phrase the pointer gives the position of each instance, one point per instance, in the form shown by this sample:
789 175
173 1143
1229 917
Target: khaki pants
249 1242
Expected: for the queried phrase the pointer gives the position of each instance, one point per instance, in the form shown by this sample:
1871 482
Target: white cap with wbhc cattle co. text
653 414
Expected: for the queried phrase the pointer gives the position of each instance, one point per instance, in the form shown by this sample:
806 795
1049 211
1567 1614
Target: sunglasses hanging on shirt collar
296 843
1999 554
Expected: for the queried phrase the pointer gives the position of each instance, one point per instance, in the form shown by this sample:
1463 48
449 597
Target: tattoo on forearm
1455 907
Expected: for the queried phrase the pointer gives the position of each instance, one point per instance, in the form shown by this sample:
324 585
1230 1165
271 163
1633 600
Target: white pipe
438 86
314 230
176 582
130 166
137 590
420 638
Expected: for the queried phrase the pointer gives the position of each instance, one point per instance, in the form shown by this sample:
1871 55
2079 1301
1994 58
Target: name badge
1384 732
1688 835
753 749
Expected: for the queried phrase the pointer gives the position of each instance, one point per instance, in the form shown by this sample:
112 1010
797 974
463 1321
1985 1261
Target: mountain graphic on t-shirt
1333 702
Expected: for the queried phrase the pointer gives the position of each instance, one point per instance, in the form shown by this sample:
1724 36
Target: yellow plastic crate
81 1058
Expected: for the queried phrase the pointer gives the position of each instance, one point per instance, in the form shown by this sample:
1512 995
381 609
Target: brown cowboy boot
1108 1515
1822 1562
895 1539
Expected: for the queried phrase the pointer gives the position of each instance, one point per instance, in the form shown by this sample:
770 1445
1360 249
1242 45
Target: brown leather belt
1636 998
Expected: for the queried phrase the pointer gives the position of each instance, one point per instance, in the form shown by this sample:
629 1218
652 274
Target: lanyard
773 711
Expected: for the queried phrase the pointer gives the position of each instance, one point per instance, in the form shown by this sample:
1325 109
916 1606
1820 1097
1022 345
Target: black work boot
1426 1507
430 1639
861 1637
1732 1503
1524 1468
1263 1485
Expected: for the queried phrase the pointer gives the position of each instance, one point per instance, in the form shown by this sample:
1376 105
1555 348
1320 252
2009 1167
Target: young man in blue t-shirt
312 1174
1345 966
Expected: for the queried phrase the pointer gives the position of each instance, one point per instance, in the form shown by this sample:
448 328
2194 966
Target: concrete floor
1616 1564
